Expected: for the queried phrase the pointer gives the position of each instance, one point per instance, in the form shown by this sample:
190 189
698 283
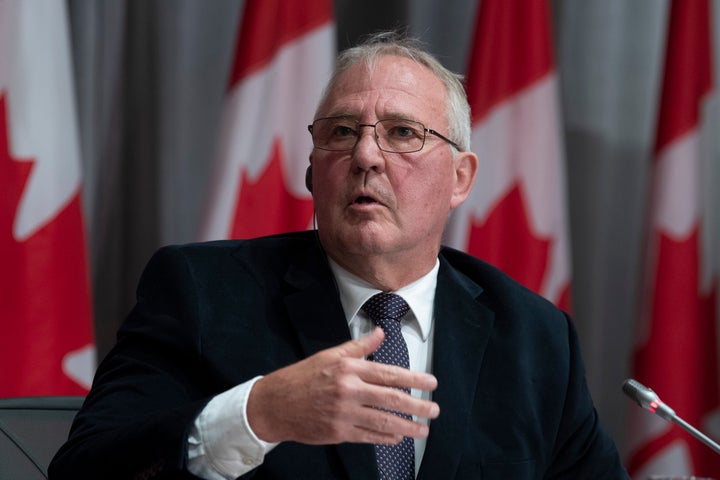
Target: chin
363 242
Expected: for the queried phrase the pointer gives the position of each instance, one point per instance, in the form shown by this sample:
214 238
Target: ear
308 179
466 167
308 176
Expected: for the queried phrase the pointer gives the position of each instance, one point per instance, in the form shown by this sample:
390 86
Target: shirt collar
420 295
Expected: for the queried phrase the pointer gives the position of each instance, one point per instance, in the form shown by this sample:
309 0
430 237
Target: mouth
365 203
364 200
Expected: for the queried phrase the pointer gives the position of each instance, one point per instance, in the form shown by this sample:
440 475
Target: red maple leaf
506 240
680 356
265 207
43 286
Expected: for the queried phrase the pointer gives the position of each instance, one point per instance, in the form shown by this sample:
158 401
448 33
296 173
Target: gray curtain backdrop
151 75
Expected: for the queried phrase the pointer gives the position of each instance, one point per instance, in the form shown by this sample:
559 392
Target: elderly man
362 350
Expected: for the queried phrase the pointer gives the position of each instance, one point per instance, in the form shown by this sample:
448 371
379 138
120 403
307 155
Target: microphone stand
649 400
696 433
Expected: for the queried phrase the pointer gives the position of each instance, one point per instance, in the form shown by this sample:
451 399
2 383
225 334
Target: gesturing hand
336 396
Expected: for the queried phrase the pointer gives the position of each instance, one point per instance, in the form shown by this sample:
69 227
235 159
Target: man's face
369 202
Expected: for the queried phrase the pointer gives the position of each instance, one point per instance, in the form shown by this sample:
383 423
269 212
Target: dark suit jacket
512 392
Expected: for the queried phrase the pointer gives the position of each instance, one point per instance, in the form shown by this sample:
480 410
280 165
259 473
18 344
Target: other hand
336 396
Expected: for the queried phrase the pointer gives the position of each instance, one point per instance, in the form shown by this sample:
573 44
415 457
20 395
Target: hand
335 396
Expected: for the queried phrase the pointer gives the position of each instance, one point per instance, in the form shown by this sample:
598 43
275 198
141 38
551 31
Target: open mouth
364 200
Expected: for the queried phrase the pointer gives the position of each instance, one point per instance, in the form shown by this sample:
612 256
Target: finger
394 400
389 425
395 376
363 435
361 347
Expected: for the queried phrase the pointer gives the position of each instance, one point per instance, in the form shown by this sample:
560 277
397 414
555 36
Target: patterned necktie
395 462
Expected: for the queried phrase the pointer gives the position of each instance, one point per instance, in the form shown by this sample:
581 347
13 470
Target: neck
383 273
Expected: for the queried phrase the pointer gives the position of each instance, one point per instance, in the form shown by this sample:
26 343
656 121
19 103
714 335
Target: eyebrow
404 116
338 113
341 115
356 117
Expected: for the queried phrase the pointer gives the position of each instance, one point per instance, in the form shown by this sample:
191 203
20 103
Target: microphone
649 400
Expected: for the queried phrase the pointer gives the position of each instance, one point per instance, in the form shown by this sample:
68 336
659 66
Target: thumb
362 347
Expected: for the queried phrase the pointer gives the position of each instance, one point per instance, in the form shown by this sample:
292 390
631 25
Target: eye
343 130
403 129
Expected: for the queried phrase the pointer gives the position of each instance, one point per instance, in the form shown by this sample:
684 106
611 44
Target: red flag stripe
258 187
677 352
268 25
46 345
507 56
688 72
512 90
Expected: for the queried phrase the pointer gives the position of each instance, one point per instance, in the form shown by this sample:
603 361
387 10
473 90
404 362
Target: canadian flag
283 58
515 217
676 351
46 340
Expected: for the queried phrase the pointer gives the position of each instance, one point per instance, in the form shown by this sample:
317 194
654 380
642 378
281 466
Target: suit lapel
461 331
313 304
315 312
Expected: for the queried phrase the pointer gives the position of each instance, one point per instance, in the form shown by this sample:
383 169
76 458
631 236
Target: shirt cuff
221 444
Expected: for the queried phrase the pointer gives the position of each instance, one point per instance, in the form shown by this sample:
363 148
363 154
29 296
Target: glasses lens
336 133
400 135
394 135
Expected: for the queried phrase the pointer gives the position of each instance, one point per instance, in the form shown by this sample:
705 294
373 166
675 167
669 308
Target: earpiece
308 179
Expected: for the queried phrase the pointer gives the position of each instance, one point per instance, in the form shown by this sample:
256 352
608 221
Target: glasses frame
374 127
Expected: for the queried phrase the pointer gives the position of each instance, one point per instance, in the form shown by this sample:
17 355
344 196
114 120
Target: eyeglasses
392 135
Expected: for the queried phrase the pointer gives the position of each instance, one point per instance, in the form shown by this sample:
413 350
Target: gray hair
397 44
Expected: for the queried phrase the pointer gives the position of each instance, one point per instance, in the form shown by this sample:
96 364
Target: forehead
392 86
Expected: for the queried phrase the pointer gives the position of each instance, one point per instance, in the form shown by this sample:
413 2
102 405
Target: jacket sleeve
148 390
583 449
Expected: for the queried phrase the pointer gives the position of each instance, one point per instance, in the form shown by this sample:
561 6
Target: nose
367 155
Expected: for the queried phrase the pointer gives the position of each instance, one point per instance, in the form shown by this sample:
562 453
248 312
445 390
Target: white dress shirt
221 444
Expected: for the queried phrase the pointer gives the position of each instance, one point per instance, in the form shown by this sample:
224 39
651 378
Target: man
238 358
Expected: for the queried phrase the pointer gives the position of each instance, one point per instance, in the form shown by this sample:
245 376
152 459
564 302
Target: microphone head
639 392
647 398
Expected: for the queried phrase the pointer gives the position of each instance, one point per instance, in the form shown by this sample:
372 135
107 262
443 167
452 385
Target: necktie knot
385 305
